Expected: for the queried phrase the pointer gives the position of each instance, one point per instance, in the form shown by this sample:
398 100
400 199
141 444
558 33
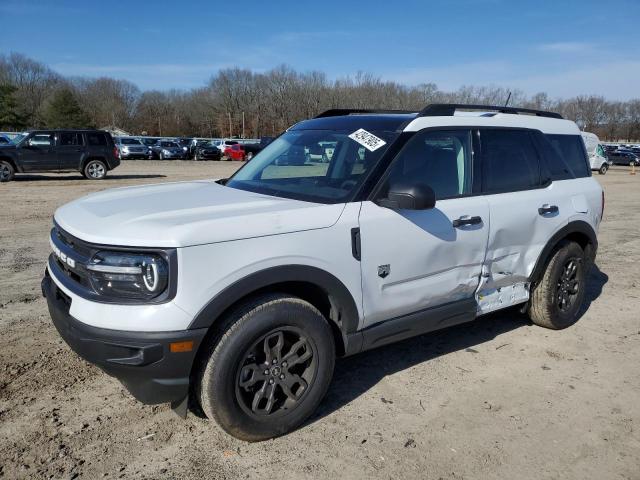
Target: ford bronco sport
235 296
90 152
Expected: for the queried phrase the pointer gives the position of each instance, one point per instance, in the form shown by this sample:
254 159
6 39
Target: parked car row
186 148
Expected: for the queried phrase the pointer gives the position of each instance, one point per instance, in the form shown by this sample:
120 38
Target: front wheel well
10 161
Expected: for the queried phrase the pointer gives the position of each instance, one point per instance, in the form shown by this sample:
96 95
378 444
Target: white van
597 155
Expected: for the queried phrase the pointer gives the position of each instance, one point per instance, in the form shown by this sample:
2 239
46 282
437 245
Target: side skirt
413 324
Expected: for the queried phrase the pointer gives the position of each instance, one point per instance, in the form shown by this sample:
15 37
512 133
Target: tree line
238 102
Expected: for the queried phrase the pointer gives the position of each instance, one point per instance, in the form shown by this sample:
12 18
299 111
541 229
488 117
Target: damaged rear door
525 208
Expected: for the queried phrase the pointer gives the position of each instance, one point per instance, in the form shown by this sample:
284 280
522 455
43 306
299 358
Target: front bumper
142 361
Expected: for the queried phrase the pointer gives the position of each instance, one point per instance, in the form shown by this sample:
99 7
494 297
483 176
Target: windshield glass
18 138
130 141
312 165
169 144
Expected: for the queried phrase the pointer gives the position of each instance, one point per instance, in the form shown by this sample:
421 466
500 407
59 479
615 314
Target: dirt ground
498 398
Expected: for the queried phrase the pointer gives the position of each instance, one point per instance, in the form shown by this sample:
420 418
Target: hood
187 213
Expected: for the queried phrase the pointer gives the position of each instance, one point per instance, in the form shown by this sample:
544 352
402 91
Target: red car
235 152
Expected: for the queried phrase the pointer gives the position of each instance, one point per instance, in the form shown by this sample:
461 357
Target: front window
130 141
169 144
322 166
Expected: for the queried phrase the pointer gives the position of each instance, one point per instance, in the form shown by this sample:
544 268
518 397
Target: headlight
128 275
165 151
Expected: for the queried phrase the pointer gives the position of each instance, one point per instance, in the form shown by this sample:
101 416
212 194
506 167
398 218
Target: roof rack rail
337 112
449 109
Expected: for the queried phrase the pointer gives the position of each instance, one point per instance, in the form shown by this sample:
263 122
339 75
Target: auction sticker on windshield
367 139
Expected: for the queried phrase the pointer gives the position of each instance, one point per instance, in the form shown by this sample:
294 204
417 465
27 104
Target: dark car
166 149
253 149
205 150
622 157
185 143
91 152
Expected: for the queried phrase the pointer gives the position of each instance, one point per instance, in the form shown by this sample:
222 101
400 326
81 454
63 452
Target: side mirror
409 196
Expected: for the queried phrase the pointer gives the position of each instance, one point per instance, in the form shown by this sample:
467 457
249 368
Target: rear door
527 208
38 153
413 260
70 149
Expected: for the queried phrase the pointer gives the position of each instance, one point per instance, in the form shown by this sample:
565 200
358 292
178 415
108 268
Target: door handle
466 220
546 208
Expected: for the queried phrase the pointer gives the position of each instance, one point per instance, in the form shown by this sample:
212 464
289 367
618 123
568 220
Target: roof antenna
506 104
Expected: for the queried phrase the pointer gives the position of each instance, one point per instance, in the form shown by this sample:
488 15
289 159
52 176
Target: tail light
115 152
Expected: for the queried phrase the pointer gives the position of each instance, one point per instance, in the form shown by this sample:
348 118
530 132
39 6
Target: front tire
603 169
556 301
7 172
95 170
269 369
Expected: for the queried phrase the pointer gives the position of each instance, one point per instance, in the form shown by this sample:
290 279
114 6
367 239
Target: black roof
389 122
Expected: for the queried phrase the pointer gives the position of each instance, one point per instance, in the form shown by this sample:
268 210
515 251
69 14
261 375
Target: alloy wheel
276 372
96 170
568 285
5 172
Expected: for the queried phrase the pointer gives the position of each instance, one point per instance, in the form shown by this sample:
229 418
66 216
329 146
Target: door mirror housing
409 196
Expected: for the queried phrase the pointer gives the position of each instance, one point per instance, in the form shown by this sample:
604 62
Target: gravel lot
498 398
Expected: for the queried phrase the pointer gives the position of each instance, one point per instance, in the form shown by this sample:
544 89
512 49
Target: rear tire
269 368
7 172
603 169
95 170
557 299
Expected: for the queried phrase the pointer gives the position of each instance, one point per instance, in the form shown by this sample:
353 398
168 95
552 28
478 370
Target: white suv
235 296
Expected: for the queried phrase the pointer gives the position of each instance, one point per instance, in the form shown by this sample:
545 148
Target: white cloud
566 47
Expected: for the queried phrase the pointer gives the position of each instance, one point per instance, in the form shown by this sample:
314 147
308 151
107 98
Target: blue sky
563 47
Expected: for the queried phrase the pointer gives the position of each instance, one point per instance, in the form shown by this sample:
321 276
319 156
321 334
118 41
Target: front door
69 150
413 260
37 153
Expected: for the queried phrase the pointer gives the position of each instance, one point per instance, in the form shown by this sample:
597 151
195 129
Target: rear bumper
142 361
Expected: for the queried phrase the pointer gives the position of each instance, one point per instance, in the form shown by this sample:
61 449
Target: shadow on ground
27 178
355 375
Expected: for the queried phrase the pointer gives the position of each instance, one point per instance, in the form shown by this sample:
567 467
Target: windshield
130 141
312 165
18 138
168 144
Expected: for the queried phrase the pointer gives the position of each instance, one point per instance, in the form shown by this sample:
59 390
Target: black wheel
603 169
7 172
196 157
161 156
269 369
556 301
95 170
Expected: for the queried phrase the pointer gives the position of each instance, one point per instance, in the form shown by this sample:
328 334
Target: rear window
571 149
509 161
71 139
96 139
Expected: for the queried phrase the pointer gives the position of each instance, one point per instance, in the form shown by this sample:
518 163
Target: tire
244 390
603 169
95 170
196 157
161 156
249 156
557 299
7 172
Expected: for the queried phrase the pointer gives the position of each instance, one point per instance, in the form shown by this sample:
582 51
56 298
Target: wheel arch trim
338 294
573 228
